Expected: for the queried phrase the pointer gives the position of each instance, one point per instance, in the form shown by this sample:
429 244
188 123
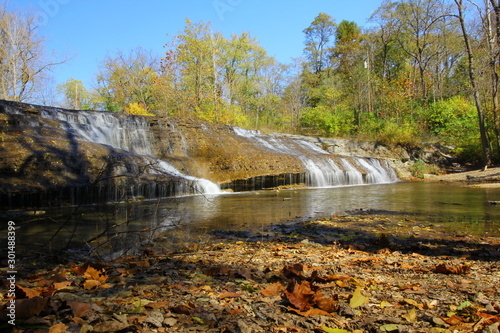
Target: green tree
75 95
320 36
124 79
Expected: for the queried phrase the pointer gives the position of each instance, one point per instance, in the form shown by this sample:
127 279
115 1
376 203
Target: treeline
424 70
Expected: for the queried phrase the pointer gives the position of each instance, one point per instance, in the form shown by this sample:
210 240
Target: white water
322 168
127 133
133 134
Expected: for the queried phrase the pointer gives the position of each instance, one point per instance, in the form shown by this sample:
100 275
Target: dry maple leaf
93 274
300 295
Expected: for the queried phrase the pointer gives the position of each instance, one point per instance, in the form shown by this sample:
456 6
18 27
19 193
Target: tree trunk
472 77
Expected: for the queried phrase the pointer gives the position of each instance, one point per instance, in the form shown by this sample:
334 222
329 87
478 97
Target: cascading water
324 169
73 157
131 134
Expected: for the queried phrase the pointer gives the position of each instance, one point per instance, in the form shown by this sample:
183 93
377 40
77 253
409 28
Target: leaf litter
332 275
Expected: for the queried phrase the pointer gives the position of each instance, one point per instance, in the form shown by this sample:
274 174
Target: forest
423 71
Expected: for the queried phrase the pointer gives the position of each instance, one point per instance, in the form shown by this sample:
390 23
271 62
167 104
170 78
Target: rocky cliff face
51 155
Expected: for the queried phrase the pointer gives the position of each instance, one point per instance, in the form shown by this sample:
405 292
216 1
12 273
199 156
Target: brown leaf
445 269
293 271
329 305
300 295
181 309
157 305
310 312
30 307
274 289
229 295
80 309
24 292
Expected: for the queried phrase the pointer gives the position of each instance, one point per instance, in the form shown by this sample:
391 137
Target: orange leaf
91 284
274 289
59 285
229 295
58 328
93 274
23 292
453 320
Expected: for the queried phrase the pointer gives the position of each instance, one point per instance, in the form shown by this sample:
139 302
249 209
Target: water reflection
460 207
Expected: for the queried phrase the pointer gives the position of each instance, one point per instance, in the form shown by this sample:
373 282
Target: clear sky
92 29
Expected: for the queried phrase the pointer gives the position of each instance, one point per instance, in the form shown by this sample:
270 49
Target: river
461 208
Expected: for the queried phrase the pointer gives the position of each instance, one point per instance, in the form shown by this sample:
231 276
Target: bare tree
23 66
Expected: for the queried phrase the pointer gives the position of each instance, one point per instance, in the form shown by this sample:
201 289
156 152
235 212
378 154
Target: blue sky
92 29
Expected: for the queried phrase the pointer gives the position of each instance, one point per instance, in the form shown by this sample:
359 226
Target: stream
461 208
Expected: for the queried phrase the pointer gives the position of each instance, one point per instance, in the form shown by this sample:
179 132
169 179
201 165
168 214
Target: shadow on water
120 229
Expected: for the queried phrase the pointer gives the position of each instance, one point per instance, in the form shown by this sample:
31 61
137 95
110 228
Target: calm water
459 206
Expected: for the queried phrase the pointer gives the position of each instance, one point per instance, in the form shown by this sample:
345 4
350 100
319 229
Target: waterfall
322 168
131 134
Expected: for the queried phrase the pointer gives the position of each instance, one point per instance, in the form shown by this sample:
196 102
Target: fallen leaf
411 316
274 289
389 327
58 328
445 269
293 271
453 320
60 285
357 299
157 305
414 303
334 330
329 305
30 307
229 295
24 292
80 309
300 295
93 274
110 326
310 312
91 284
